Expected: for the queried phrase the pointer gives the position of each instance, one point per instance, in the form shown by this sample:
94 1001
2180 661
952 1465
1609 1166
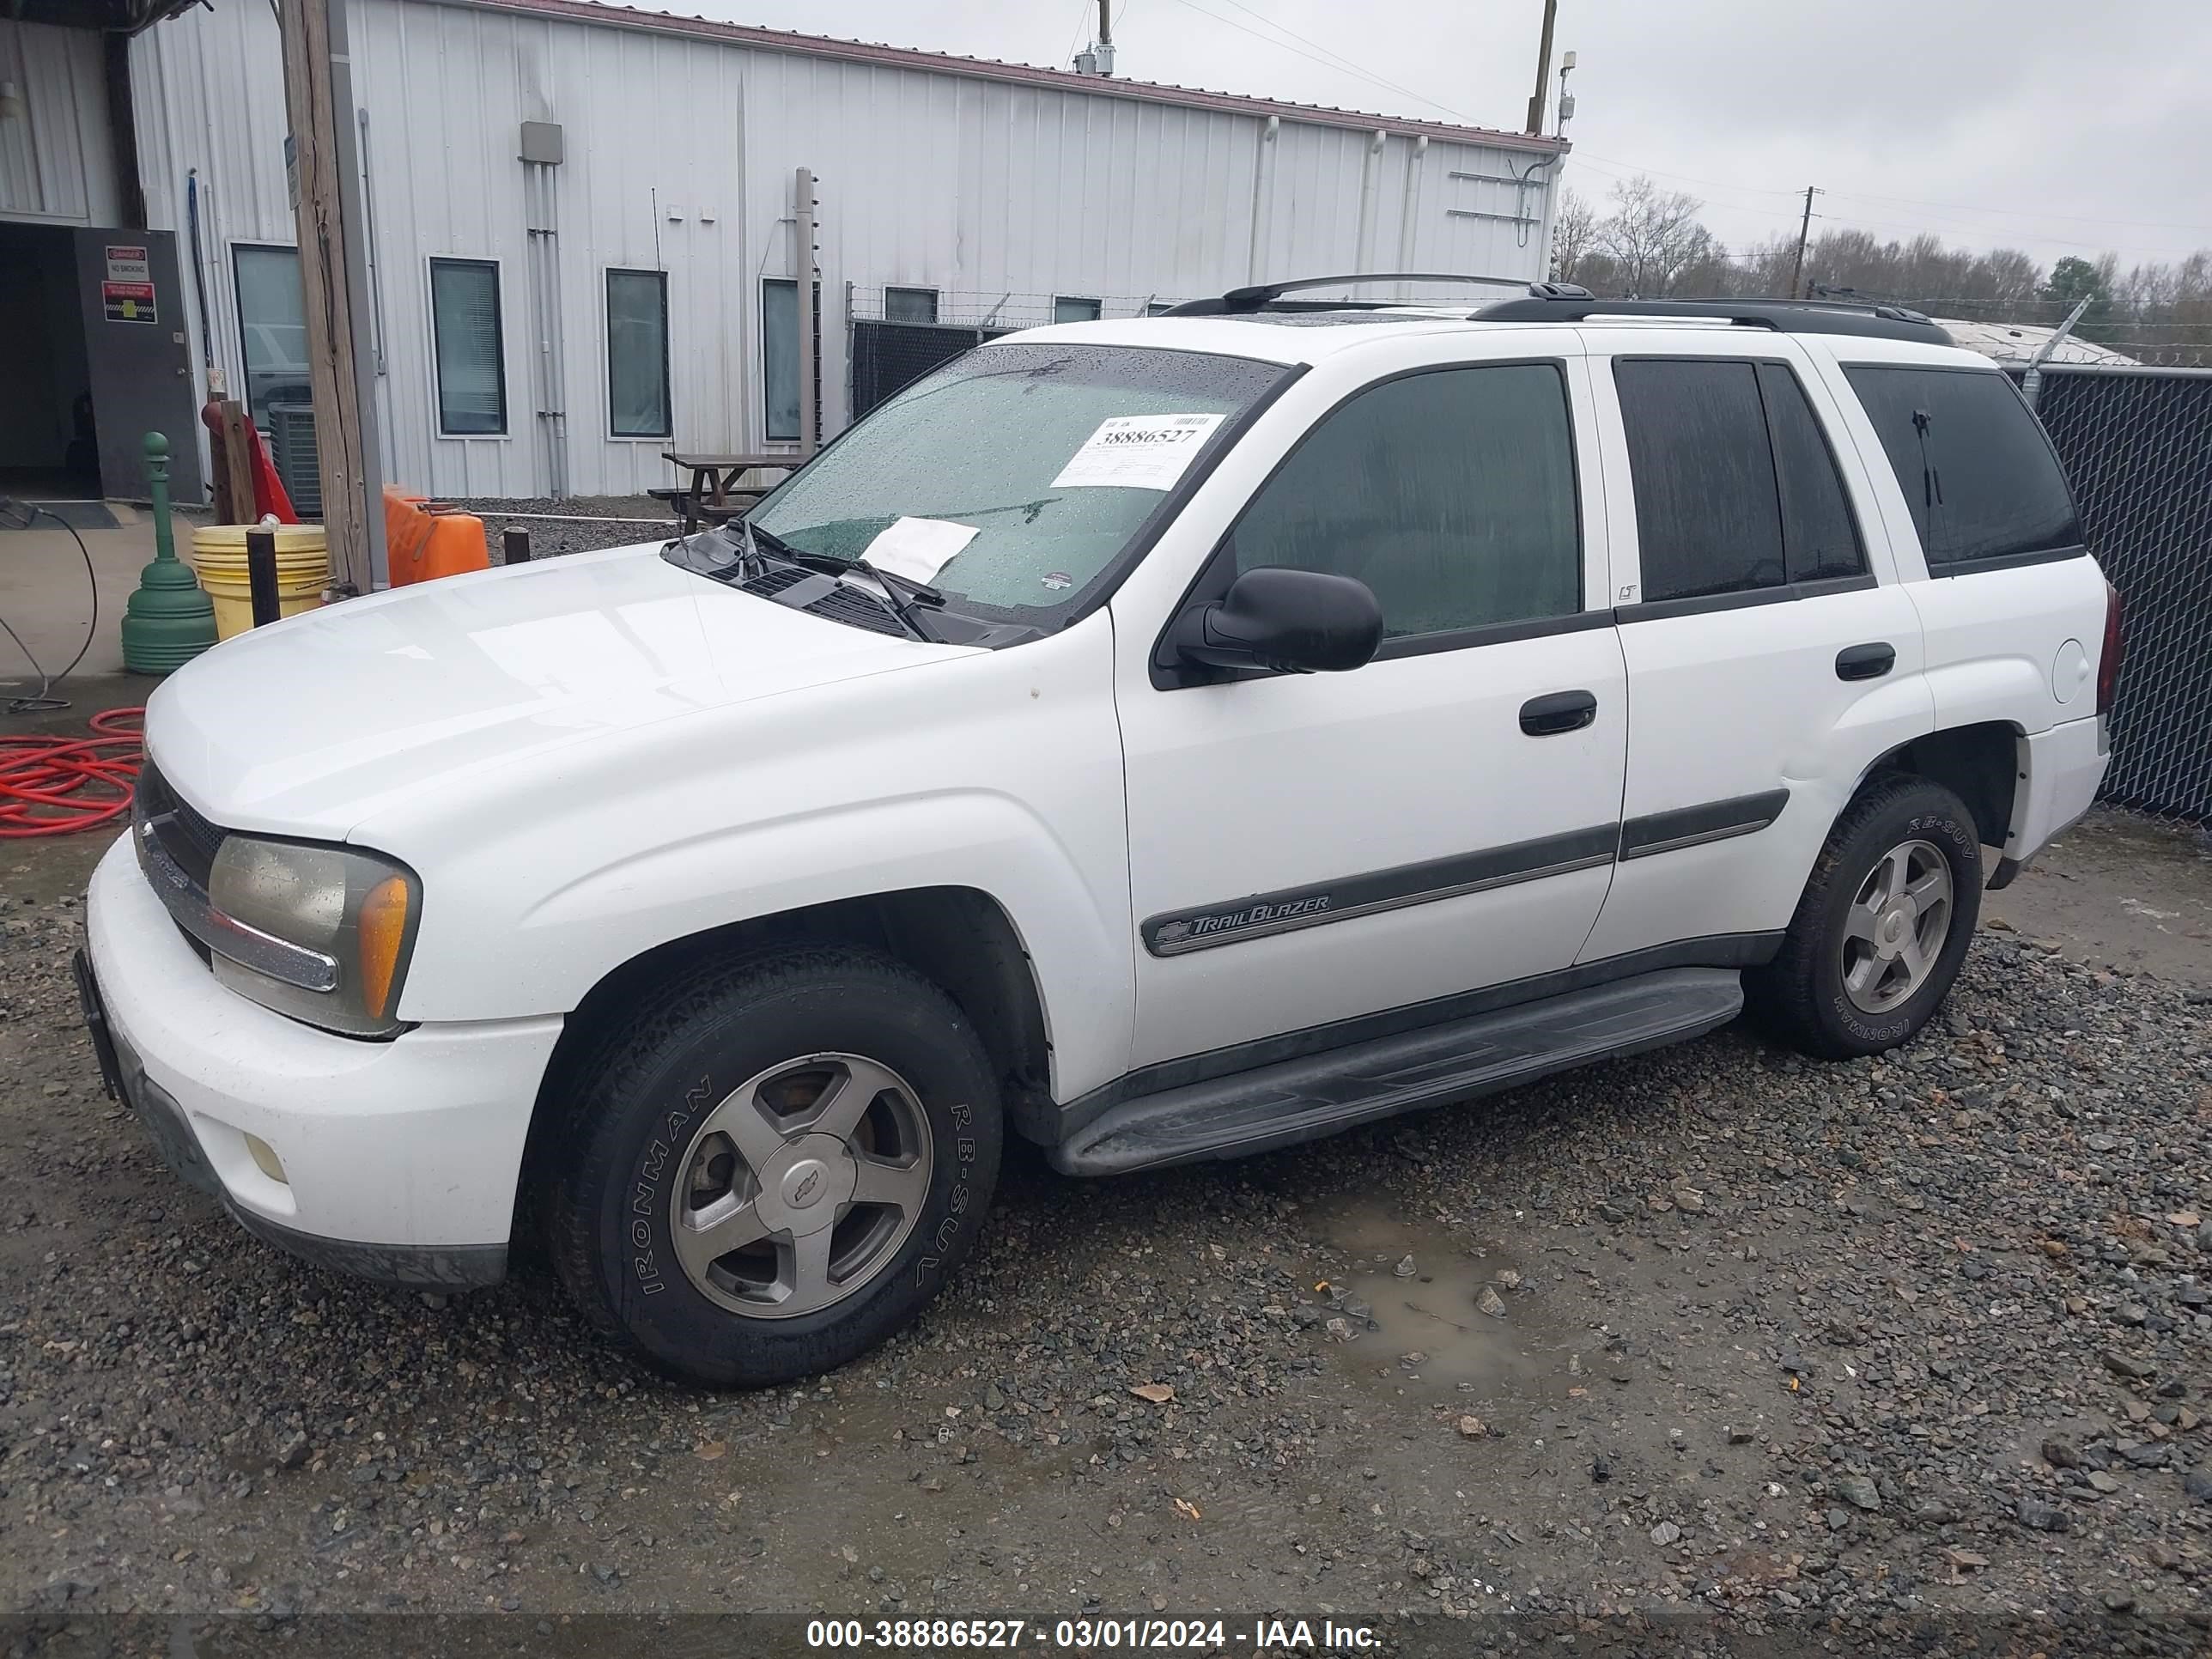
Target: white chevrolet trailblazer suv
712 912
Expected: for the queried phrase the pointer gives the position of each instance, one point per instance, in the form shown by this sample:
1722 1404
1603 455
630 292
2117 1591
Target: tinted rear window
1976 470
1707 515
1817 527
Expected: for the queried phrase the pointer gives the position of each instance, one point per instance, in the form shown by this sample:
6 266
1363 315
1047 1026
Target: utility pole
1543 67
325 177
809 417
1804 235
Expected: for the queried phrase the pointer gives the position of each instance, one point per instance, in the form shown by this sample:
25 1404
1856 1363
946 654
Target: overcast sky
2056 127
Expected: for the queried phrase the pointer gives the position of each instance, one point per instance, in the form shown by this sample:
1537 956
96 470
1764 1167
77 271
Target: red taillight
2108 660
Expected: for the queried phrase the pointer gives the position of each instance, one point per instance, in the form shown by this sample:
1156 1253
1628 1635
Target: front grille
190 838
841 604
183 832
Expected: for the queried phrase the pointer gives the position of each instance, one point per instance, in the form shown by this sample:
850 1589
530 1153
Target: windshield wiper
900 595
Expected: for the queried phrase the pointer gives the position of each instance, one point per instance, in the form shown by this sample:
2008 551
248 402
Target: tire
694 1114
1857 975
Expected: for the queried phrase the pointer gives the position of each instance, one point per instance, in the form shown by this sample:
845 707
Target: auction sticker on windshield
1137 451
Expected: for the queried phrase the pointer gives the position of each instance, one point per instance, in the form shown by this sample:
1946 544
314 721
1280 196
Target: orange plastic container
420 543
455 543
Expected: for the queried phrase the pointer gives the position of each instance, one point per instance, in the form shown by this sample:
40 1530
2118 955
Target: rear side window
1818 535
1736 488
1976 470
1450 493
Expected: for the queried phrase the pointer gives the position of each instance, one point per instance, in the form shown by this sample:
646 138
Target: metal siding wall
966 185
56 165
621 185
208 91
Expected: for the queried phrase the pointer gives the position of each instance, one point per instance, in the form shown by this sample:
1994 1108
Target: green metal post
169 620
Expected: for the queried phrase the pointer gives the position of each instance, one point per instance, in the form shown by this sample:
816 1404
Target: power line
1856 223
1609 163
1367 74
1341 67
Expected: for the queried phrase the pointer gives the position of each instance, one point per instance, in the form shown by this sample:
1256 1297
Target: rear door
1772 654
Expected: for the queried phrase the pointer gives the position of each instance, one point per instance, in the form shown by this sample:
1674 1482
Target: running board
1297 1100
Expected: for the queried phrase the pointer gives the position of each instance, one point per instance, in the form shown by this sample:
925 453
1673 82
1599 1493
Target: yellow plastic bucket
303 570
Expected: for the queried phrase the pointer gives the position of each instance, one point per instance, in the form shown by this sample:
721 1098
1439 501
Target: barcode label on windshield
1137 451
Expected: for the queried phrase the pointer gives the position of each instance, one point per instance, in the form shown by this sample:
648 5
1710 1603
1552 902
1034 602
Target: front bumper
399 1159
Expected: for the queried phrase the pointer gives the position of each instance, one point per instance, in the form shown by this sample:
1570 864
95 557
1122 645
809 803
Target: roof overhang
107 17
986 69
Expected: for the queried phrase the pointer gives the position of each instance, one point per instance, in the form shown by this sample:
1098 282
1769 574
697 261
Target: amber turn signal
382 929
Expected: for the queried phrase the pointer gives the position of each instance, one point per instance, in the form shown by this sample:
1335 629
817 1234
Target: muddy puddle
1434 1310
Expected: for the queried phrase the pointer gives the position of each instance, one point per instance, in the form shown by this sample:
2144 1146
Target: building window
1450 493
1070 308
637 355
465 331
1159 307
272 327
779 357
910 305
1977 471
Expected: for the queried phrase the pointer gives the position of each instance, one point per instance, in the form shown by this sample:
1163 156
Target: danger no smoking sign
126 295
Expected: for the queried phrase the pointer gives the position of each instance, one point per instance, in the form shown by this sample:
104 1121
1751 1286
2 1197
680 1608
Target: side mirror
1286 621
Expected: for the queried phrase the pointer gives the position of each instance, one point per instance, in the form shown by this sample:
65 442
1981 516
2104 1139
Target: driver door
1307 849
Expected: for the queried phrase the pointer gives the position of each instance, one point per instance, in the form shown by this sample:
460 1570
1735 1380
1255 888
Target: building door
137 350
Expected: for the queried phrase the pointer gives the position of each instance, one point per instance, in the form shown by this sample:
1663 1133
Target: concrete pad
45 598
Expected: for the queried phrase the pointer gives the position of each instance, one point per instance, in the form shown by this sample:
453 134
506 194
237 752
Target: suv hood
309 727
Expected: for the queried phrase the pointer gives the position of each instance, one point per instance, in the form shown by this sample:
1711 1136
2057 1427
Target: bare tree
1574 238
1653 237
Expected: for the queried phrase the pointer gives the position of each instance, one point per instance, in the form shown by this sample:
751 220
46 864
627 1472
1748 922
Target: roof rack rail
1548 302
1269 296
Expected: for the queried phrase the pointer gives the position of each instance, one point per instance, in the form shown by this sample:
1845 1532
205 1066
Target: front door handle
1865 662
1561 711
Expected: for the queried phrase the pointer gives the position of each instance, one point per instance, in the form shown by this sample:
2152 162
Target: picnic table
715 495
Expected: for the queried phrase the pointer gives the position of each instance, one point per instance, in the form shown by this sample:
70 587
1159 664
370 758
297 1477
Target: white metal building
551 325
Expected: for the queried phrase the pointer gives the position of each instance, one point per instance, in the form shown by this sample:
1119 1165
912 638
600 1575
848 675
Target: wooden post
236 483
326 180
514 545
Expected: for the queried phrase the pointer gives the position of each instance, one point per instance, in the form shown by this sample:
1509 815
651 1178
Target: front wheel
1882 927
774 1165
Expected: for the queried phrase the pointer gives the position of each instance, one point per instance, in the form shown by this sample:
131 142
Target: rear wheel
774 1166
1882 927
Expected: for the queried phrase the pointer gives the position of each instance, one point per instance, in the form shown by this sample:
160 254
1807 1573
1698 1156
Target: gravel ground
1714 1335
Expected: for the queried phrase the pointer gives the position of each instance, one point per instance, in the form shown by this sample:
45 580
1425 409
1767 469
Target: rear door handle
1561 711
1865 662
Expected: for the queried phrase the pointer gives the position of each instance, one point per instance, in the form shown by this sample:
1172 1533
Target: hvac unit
292 451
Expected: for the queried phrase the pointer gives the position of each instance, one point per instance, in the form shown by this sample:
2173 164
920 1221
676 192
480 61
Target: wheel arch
961 939
1979 762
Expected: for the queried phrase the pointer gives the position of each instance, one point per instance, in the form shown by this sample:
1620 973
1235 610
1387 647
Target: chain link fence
2137 445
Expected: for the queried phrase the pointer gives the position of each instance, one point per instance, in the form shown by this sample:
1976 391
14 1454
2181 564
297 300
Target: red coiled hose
57 786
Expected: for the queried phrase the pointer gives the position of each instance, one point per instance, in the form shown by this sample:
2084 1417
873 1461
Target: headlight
348 917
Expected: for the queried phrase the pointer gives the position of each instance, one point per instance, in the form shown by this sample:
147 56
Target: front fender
999 772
